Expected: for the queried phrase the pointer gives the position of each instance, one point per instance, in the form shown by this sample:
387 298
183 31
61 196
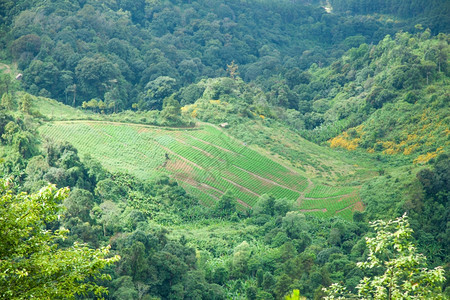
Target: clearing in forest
205 161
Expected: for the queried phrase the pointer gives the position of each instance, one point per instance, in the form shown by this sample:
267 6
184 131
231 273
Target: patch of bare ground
352 194
176 165
205 188
208 187
359 206
240 187
206 153
341 210
243 203
180 141
307 190
143 129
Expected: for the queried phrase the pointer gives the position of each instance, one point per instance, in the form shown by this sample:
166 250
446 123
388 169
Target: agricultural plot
205 161
321 191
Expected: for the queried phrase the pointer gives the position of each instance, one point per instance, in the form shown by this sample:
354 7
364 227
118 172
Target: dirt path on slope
307 190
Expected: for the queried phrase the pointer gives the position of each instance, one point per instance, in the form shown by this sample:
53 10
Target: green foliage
403 275
226 206
25 103
7 101
113 50
32 265
171 113
261 186
295 295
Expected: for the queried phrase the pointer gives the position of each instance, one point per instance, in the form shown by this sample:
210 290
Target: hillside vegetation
226 149
117 51
204 161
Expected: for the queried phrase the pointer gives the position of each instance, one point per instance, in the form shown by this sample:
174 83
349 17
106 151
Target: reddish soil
177 165
359 206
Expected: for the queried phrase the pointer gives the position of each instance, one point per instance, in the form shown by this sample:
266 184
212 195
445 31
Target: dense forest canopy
234 149
114 50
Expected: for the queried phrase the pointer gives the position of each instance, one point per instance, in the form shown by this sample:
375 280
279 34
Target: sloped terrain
204 160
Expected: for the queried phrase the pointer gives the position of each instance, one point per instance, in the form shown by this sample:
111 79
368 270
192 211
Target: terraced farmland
204 160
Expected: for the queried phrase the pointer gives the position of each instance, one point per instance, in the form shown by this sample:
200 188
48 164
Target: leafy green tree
31 263
157 90
25 103
7 101
96 75
44 75
29 43
171 112
226 206
295 295
404 271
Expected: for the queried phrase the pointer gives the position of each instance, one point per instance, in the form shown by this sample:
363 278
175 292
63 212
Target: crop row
346 213
335 203
220 168
323 191
249 160
115 153
259 185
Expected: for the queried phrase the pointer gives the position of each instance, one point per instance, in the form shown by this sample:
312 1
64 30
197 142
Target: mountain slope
204 160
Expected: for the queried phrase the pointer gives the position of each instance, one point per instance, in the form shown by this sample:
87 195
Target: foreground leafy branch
403 271
31 263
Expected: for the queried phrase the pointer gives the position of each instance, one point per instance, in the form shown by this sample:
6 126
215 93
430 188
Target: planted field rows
206 163
322 191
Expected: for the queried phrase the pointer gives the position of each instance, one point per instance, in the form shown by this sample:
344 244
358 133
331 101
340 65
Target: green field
205 161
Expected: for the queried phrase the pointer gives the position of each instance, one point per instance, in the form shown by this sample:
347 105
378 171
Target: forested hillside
116 51
224 149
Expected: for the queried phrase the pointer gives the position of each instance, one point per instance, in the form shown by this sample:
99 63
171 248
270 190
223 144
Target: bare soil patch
179 165
359 206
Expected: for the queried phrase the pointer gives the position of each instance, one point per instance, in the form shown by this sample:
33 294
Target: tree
25 103
171 112
295 295
226 206
157 90
232 70
7 101
405 276
95 76
32 265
